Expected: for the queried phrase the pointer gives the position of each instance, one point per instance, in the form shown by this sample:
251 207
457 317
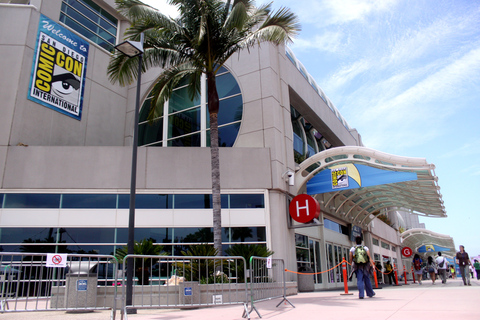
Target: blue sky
406 75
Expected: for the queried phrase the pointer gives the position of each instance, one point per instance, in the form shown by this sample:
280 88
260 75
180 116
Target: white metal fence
185 282
267 281
48 282
76 282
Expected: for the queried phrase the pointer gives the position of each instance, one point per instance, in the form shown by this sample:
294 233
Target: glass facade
90 20
121 201
184 122
105 240
306 139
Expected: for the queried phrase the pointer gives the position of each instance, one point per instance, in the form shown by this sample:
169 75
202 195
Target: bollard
375 277
396 276
413 275
405 274
345 279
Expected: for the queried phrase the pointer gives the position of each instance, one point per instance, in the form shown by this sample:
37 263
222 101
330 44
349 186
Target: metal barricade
49 282
267 281
185 282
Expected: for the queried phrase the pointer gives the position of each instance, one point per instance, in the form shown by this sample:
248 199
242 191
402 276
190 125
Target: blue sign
432 248
356 232
82 285
352 176
59 69
188 291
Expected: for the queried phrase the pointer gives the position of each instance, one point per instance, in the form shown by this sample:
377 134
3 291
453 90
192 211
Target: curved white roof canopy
360 206
416 238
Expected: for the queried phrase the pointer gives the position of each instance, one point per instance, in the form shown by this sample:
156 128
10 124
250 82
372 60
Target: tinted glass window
32 200
193 201
1 200
248 234
87 235
90 249
20 235
230 110
226 85
89 201
192 140
150 132
246 201
185 235
89 19
159 235
183 123
180 100
146 201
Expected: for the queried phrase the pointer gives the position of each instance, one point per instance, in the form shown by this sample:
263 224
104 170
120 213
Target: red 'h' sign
304 208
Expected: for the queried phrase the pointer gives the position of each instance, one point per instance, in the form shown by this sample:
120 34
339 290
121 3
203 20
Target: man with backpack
442 267
363 267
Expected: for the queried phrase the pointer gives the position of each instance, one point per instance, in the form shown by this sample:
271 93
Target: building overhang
427 242
417 191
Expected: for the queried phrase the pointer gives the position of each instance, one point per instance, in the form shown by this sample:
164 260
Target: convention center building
66 151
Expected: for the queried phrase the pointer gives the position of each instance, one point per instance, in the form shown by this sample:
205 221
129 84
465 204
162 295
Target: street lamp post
133 49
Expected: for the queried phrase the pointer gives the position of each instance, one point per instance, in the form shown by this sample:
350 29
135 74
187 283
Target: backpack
442 263
360 255
417 264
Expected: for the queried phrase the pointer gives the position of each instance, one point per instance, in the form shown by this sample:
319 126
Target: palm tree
204 36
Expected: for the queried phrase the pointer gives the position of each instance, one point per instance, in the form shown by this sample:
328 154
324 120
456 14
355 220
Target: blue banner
59 68
352 176
432 248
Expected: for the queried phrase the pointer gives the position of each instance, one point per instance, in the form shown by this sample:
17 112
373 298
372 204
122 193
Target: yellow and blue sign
431 248
352 176
59 68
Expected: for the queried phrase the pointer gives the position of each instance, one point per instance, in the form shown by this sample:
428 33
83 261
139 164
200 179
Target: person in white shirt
442 263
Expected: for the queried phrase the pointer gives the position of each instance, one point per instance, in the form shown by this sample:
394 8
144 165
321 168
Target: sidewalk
440 301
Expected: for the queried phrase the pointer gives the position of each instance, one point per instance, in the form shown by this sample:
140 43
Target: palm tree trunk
213 106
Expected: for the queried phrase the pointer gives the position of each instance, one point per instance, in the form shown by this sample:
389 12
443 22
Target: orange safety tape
313 272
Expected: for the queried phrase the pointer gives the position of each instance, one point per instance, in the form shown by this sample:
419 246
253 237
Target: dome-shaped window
185 122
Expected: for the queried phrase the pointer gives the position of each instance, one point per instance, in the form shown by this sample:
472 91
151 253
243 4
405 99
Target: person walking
476 265
389 272
432 269
464 262
363 267
442 264
417 268
452 272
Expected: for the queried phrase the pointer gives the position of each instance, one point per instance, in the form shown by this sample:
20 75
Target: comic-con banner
59 67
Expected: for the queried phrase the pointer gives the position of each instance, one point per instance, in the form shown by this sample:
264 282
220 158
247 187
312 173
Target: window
385 245
306 140
32 200
332 225
375 241
122 201
146 201
91 21
89 201
302 250
394 248
184 122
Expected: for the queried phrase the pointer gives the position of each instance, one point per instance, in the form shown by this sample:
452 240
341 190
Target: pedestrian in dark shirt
464 262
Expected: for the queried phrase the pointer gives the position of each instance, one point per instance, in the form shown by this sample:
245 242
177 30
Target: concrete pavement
440 301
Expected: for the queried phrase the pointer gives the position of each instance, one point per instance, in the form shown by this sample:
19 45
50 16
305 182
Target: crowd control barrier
178 282
267 281
49 282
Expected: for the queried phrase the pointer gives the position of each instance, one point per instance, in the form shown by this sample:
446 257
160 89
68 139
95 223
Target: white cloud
163 7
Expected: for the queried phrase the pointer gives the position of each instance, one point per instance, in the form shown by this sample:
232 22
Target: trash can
305 282
81 287
189 293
